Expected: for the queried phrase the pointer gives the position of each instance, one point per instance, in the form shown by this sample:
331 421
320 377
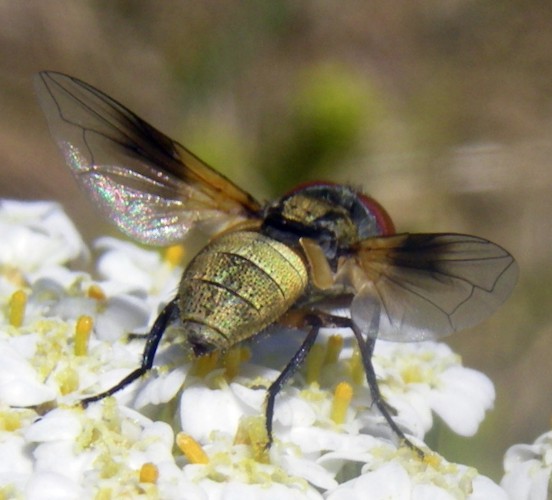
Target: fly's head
334 216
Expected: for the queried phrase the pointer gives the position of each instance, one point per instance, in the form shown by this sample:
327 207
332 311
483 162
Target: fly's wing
150 186
425 286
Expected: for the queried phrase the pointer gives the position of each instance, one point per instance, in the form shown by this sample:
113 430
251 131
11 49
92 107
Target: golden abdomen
236 286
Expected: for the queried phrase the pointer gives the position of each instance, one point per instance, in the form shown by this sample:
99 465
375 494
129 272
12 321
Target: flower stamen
333 349
356 367
206 364
96 292
149 473
191 448
17 306
252 432
68 380
174 255
83 328
342 398
231 361
315 362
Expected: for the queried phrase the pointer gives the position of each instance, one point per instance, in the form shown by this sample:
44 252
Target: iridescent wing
425 286
151 187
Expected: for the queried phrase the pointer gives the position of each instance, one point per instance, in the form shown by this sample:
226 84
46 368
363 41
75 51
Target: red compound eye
383 219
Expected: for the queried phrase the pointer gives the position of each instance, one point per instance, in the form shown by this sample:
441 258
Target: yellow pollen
67 380
315 362
82 334
252 432
13 275
9 421
191 449
340 404
17 305
335 344
104 494
432 459
149 473
356 367
174 255
412 375
96 292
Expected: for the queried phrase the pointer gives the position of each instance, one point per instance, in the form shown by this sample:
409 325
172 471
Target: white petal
60 458
19 384
233 490
527 481
314 439
203 411
37 235
462 405
50 486
252 398
485 489
162 388
519 453
430 492
14 458
123 314
127 263
389 481
293 412
56 425
312 472
413 410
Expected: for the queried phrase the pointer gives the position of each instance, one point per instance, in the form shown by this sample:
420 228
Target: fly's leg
168 315
314 322
366 348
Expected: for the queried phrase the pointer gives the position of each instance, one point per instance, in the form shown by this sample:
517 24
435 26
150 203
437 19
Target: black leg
167 316
366 348
315 323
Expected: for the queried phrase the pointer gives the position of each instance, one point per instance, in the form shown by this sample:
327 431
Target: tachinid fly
269 263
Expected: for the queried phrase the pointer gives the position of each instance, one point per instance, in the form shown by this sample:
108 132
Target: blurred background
441 110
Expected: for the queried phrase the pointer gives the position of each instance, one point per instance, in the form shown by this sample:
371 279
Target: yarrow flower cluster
194 428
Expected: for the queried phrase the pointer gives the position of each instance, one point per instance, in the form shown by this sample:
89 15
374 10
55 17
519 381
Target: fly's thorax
236 286
335 217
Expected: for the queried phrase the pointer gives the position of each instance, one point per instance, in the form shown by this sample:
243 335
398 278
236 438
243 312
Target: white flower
129 268
528 469
77 454
20 384
325 443
309 445
198 418
36 236
236 490
396 479
38 361
420 377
